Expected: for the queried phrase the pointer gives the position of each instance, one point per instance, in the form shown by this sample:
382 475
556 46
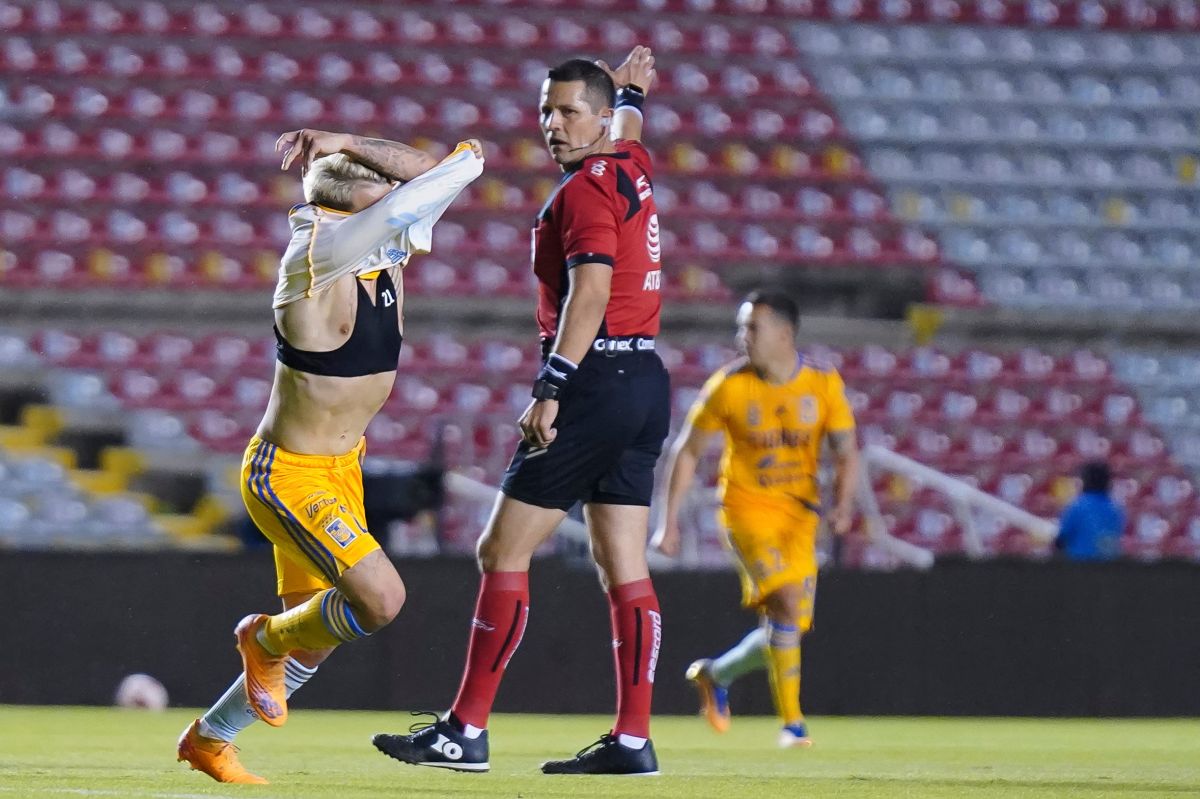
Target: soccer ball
142 691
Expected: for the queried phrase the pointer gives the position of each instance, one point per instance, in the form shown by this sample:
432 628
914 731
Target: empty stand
141 154
1057 164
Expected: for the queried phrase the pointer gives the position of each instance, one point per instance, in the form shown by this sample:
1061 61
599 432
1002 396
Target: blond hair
331 181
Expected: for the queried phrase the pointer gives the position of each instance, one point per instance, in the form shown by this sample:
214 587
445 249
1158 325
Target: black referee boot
608 756
439 744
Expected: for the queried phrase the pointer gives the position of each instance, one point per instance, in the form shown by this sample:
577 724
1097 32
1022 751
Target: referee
595 428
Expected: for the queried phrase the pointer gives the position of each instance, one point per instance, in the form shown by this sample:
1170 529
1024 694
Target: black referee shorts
612 421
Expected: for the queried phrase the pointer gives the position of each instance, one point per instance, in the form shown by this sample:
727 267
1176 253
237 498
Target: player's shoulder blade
739 367
722 375
819 364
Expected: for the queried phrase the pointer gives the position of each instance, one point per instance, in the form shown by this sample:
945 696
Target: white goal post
965 499
463 487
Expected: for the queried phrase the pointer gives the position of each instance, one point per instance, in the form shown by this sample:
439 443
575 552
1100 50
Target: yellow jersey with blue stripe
773 432
768 479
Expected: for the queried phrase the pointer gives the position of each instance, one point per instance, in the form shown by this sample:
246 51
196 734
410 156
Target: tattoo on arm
391 159
842 442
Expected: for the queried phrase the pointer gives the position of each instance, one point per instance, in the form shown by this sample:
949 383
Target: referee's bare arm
391 159
584 310
579 324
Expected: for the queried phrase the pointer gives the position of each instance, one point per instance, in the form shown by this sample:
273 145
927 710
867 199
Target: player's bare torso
318 414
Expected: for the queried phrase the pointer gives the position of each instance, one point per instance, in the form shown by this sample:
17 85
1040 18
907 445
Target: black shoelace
420 726
607 739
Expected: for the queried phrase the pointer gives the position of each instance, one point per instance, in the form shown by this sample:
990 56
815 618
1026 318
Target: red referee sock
637 635
500 616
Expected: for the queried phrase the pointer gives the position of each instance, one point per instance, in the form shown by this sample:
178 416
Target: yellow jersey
773 432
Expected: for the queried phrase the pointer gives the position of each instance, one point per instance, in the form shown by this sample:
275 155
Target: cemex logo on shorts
612 346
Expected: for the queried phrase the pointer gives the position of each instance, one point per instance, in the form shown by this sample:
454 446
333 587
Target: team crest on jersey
753 415
808 409
341 534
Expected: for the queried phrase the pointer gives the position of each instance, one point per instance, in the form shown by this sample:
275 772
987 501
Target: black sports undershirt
373 346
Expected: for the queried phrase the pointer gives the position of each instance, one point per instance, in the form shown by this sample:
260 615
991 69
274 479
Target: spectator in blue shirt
1091 526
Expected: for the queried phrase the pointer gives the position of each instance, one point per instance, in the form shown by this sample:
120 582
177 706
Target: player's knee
783 609
494 555
382 605
782 617
619 571
619 561
487 552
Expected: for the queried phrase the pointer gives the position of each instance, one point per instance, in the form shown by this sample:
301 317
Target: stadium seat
1018 424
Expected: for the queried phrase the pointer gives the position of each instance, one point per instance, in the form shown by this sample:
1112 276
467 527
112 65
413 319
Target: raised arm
685 454
633 80
389 158
408 211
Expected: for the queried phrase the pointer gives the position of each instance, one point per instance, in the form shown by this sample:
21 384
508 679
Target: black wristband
553 378
631 96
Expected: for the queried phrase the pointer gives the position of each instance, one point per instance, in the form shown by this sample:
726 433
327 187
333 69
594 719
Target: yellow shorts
311 509
773 547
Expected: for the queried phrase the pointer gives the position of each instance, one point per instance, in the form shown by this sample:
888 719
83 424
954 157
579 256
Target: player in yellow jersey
775 408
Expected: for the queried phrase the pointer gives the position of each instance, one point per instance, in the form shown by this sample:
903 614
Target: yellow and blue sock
322 622
783 663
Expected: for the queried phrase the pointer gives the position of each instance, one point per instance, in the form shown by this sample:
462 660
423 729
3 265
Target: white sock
232 712
631 741
261 637
746 656
470 731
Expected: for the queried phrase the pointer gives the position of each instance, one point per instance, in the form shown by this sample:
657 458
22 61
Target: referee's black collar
575 167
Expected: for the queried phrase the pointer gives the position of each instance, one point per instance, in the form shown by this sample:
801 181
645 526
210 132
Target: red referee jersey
603 211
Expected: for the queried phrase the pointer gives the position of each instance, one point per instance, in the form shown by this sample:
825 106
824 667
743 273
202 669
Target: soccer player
595 428
370 205
774 408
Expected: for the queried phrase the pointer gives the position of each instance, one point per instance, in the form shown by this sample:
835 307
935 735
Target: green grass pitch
101 752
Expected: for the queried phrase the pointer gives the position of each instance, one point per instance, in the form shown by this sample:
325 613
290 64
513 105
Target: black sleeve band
590 258
631 96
